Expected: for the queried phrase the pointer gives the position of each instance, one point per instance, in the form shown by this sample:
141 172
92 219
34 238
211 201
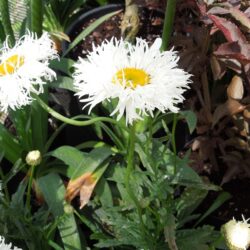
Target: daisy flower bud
24 70
237 234
139 77
33 158
4 246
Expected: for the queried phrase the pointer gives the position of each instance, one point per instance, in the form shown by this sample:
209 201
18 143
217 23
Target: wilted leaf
241 17
246 113
231 32
218 10
232 160
235 90
236 142
230 107
83 185
232 64
234 50
217 68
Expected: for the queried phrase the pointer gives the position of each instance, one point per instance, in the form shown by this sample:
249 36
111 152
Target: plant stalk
5 16
168 23
129 170
72 121
37 16
28 200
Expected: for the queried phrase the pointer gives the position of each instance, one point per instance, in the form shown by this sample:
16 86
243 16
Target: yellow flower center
10 65
131 77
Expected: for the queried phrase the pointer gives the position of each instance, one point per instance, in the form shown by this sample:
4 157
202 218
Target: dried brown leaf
217 68
234 50
218 10
237 143
230 107
83 186
246 113
235 90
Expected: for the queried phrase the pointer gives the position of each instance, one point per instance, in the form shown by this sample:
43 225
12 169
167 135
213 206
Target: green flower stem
130 168
71 121
28 205
37 16
168 23
5 16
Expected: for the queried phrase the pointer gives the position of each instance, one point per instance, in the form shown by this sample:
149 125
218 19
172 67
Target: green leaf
102 2
190 118
63 82
88 30
79 162
39 124
9 145
14 170
53 190
36 16
224 196
65 65
169 232
21 120
190 199
103 192
2 33
196 239
5 17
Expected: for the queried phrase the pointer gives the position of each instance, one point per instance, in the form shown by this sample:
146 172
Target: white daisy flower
140 77
24 69
237 234
4 246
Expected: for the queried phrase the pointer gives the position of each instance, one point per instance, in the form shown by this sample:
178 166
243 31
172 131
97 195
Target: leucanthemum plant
24 70
5 246
140 77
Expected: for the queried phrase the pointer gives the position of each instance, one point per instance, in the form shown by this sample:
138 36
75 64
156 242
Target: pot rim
86 16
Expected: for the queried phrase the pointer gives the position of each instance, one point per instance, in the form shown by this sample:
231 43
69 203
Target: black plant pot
86 17
149 27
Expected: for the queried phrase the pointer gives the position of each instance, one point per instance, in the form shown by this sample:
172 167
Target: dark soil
150 28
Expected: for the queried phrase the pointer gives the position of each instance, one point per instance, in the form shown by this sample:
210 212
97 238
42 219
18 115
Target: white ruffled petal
94 78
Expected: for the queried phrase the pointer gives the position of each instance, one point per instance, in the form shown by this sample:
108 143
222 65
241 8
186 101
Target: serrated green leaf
21 120
190 199
196 239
